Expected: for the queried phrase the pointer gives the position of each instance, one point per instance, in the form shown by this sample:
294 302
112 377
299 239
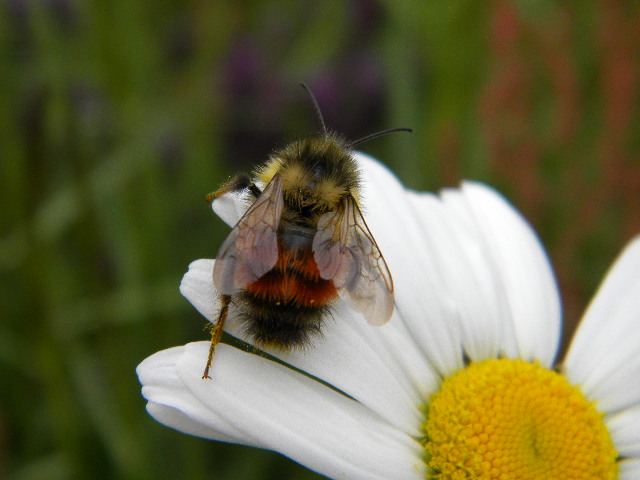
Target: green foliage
116 118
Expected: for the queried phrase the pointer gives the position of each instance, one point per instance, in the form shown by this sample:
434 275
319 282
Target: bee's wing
251 249
346 253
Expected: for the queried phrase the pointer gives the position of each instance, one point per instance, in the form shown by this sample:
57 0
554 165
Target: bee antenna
316 107
379 134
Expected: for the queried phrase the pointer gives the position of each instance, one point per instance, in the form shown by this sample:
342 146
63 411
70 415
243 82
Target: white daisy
459 384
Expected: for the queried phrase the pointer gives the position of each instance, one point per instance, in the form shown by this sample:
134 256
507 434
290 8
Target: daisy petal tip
202 265
176 419
159 360
230 207
631 252
197 287
372 167
363 158
482 192
199 275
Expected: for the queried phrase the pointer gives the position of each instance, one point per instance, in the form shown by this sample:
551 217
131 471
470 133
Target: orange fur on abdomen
295 279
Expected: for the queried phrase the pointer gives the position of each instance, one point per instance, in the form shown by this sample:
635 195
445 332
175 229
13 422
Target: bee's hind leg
237 183
216 332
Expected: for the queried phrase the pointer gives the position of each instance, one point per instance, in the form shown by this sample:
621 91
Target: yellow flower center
508 419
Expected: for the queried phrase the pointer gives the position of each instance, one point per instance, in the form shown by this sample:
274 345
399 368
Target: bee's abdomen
285 308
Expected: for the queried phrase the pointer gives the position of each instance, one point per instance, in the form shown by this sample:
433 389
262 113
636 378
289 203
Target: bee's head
317 172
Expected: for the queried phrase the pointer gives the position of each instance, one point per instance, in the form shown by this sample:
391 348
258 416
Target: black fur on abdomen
285 326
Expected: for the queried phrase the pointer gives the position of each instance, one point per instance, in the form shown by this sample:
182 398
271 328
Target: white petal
231 207
603 358
282 410
174 417
624 428
400 225
525 276
174 405
377 366
494 273
464 275
197 287
629 469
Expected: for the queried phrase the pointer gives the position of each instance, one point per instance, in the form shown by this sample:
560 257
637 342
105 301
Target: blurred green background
117 117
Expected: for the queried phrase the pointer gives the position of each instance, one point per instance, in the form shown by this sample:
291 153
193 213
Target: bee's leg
216 332
237 183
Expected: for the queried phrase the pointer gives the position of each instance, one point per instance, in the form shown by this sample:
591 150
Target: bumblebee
301 245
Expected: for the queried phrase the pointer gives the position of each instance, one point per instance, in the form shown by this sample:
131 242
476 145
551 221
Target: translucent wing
251 249
346 253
